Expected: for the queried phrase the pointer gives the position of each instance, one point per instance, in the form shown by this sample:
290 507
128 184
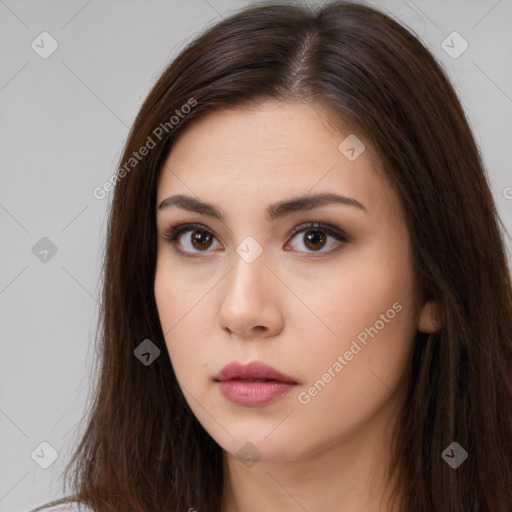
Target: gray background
64 120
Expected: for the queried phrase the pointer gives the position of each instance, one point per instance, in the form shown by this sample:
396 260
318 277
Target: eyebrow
273 211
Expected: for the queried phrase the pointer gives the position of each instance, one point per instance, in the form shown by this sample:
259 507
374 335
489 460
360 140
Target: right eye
201 239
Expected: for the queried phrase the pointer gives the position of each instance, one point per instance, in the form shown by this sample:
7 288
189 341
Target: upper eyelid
326 226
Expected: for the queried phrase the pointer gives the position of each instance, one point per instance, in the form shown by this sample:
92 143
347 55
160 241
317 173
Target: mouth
253 385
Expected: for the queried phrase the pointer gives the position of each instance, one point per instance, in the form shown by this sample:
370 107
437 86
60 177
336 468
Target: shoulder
60 506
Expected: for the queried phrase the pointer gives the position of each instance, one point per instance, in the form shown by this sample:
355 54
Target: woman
240 369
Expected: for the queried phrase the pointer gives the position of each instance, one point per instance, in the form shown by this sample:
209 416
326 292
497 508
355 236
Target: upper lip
252 370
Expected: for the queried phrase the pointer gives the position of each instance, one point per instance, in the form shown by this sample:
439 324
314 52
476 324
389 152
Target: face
323 293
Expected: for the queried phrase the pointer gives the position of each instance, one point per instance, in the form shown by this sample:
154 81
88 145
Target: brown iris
314 238
201 237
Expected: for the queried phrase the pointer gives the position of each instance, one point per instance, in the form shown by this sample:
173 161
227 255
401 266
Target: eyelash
172 234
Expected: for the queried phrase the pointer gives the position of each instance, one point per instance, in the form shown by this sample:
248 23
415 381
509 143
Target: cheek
171 308
367 285
367 323
166 296
178 291
368 299
181 305
355 368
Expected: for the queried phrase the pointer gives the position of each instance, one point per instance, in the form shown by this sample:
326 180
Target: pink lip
256 393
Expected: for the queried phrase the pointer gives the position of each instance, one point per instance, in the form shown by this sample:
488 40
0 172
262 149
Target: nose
250 300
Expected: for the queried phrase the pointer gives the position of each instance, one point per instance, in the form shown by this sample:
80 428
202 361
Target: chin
251 444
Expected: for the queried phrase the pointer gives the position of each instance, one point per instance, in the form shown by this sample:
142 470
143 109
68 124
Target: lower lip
254 394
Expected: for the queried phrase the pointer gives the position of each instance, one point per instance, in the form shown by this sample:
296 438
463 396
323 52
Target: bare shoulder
60 506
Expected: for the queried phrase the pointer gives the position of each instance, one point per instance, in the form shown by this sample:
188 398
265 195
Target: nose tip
247 308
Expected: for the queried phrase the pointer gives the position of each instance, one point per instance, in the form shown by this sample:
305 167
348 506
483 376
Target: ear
430 317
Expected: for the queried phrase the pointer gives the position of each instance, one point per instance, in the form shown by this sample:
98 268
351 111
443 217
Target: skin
288 308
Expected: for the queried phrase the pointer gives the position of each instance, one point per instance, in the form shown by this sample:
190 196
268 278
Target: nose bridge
247 308
248 274
245 298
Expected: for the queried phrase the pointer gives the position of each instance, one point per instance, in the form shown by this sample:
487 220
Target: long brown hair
143 450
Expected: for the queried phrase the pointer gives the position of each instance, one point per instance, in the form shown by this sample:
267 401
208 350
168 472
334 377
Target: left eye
316 234
315 237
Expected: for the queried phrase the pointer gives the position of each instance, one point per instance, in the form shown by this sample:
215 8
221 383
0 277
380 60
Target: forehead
270 150
284 130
